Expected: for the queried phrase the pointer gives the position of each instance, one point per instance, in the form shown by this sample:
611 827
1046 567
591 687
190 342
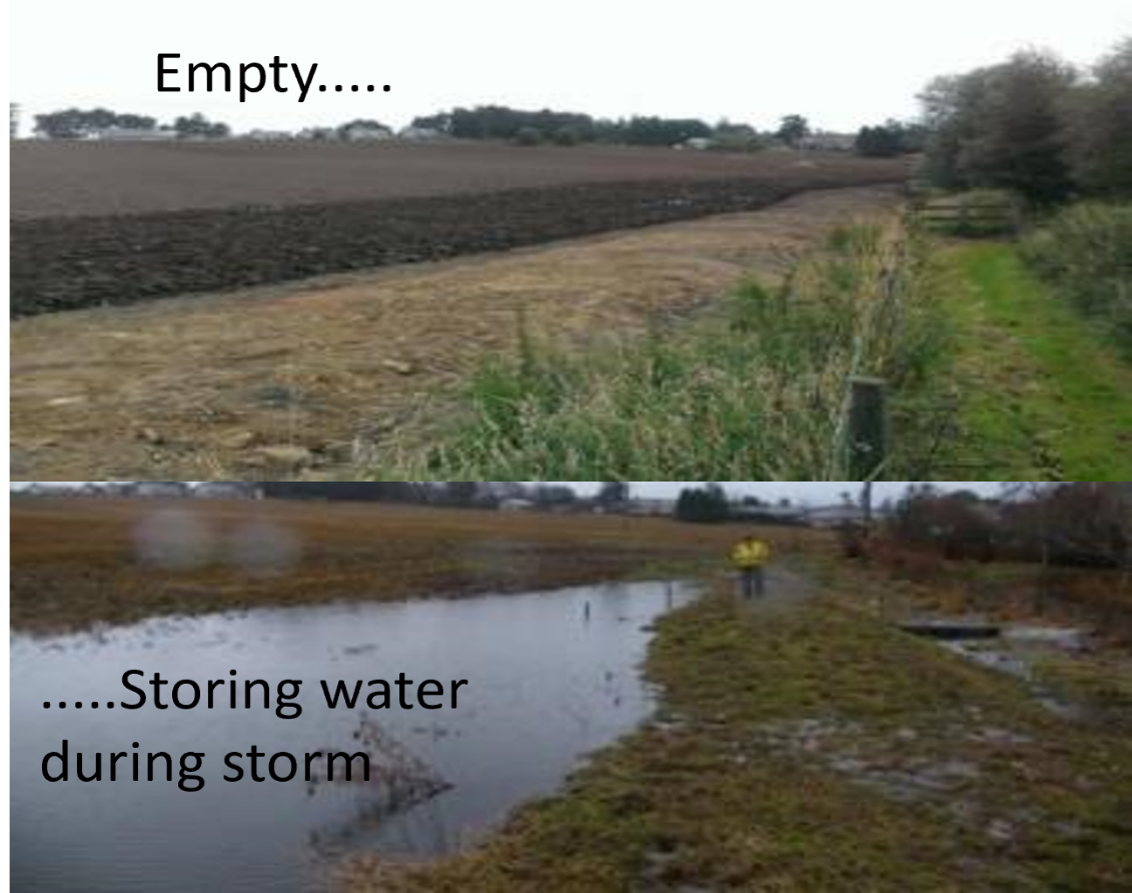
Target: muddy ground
319 377
817 748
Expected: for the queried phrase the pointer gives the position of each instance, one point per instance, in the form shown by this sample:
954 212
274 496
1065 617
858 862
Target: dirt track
206 387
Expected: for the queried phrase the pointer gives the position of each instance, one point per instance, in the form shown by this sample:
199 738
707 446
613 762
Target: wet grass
1101 683
1046 397
818 749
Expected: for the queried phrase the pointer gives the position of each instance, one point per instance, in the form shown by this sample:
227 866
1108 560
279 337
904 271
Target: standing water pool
551 677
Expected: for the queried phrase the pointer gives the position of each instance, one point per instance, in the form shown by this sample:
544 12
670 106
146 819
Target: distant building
421 134
657 508
161 489
317 133
696 143
828 142
116 488
357 133
270 136
131 134
516 505
227 490
837 515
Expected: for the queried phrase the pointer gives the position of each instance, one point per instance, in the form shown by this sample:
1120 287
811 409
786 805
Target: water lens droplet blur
262 548
173 538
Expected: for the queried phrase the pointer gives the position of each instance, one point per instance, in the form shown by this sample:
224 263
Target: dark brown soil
71 262
74 178
102 223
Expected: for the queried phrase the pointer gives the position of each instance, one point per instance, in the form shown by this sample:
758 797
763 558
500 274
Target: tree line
495 122
77 123
456 494
1073 525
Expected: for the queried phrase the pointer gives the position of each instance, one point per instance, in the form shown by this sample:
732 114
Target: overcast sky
843 64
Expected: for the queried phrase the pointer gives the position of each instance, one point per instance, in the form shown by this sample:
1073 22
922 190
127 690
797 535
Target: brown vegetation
340 368
816 749
76 562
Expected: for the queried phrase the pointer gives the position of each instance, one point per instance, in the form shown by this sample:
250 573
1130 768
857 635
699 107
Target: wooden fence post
868 436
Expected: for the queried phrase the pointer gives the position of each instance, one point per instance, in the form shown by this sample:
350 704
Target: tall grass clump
758 390
1085 252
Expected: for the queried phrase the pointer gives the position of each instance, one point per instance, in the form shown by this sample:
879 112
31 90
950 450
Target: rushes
758 389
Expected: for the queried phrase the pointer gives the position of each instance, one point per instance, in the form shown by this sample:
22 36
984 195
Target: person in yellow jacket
750 556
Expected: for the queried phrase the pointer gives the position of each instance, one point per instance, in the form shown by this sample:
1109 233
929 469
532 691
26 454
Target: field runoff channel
119 224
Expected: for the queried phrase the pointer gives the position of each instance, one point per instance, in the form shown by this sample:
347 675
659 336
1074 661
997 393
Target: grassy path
1045 398
815 748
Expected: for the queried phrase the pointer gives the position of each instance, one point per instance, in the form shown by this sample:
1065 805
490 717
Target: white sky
842 64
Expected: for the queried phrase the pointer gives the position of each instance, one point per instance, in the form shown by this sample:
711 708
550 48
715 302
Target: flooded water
548 681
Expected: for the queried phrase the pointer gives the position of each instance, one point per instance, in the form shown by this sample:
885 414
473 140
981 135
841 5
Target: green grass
1045 398
737 784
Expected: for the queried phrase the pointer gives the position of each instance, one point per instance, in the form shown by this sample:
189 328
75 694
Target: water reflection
546 685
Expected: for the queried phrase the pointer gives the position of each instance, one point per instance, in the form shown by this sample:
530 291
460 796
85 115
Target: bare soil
96 224
335 369
67 178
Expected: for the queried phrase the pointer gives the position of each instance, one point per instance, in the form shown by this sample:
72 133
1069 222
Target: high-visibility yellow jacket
750 553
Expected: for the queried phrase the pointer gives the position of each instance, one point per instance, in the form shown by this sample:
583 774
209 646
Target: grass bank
816 749
1045 398
756 388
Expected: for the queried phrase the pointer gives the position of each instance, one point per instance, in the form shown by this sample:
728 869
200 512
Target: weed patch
758 389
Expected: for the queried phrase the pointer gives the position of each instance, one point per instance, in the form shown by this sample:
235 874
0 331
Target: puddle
546 686
1014 655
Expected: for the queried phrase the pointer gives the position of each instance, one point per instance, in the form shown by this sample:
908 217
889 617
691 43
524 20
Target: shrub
884 141
528 136
567 136
706 505
1085 252
954 525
